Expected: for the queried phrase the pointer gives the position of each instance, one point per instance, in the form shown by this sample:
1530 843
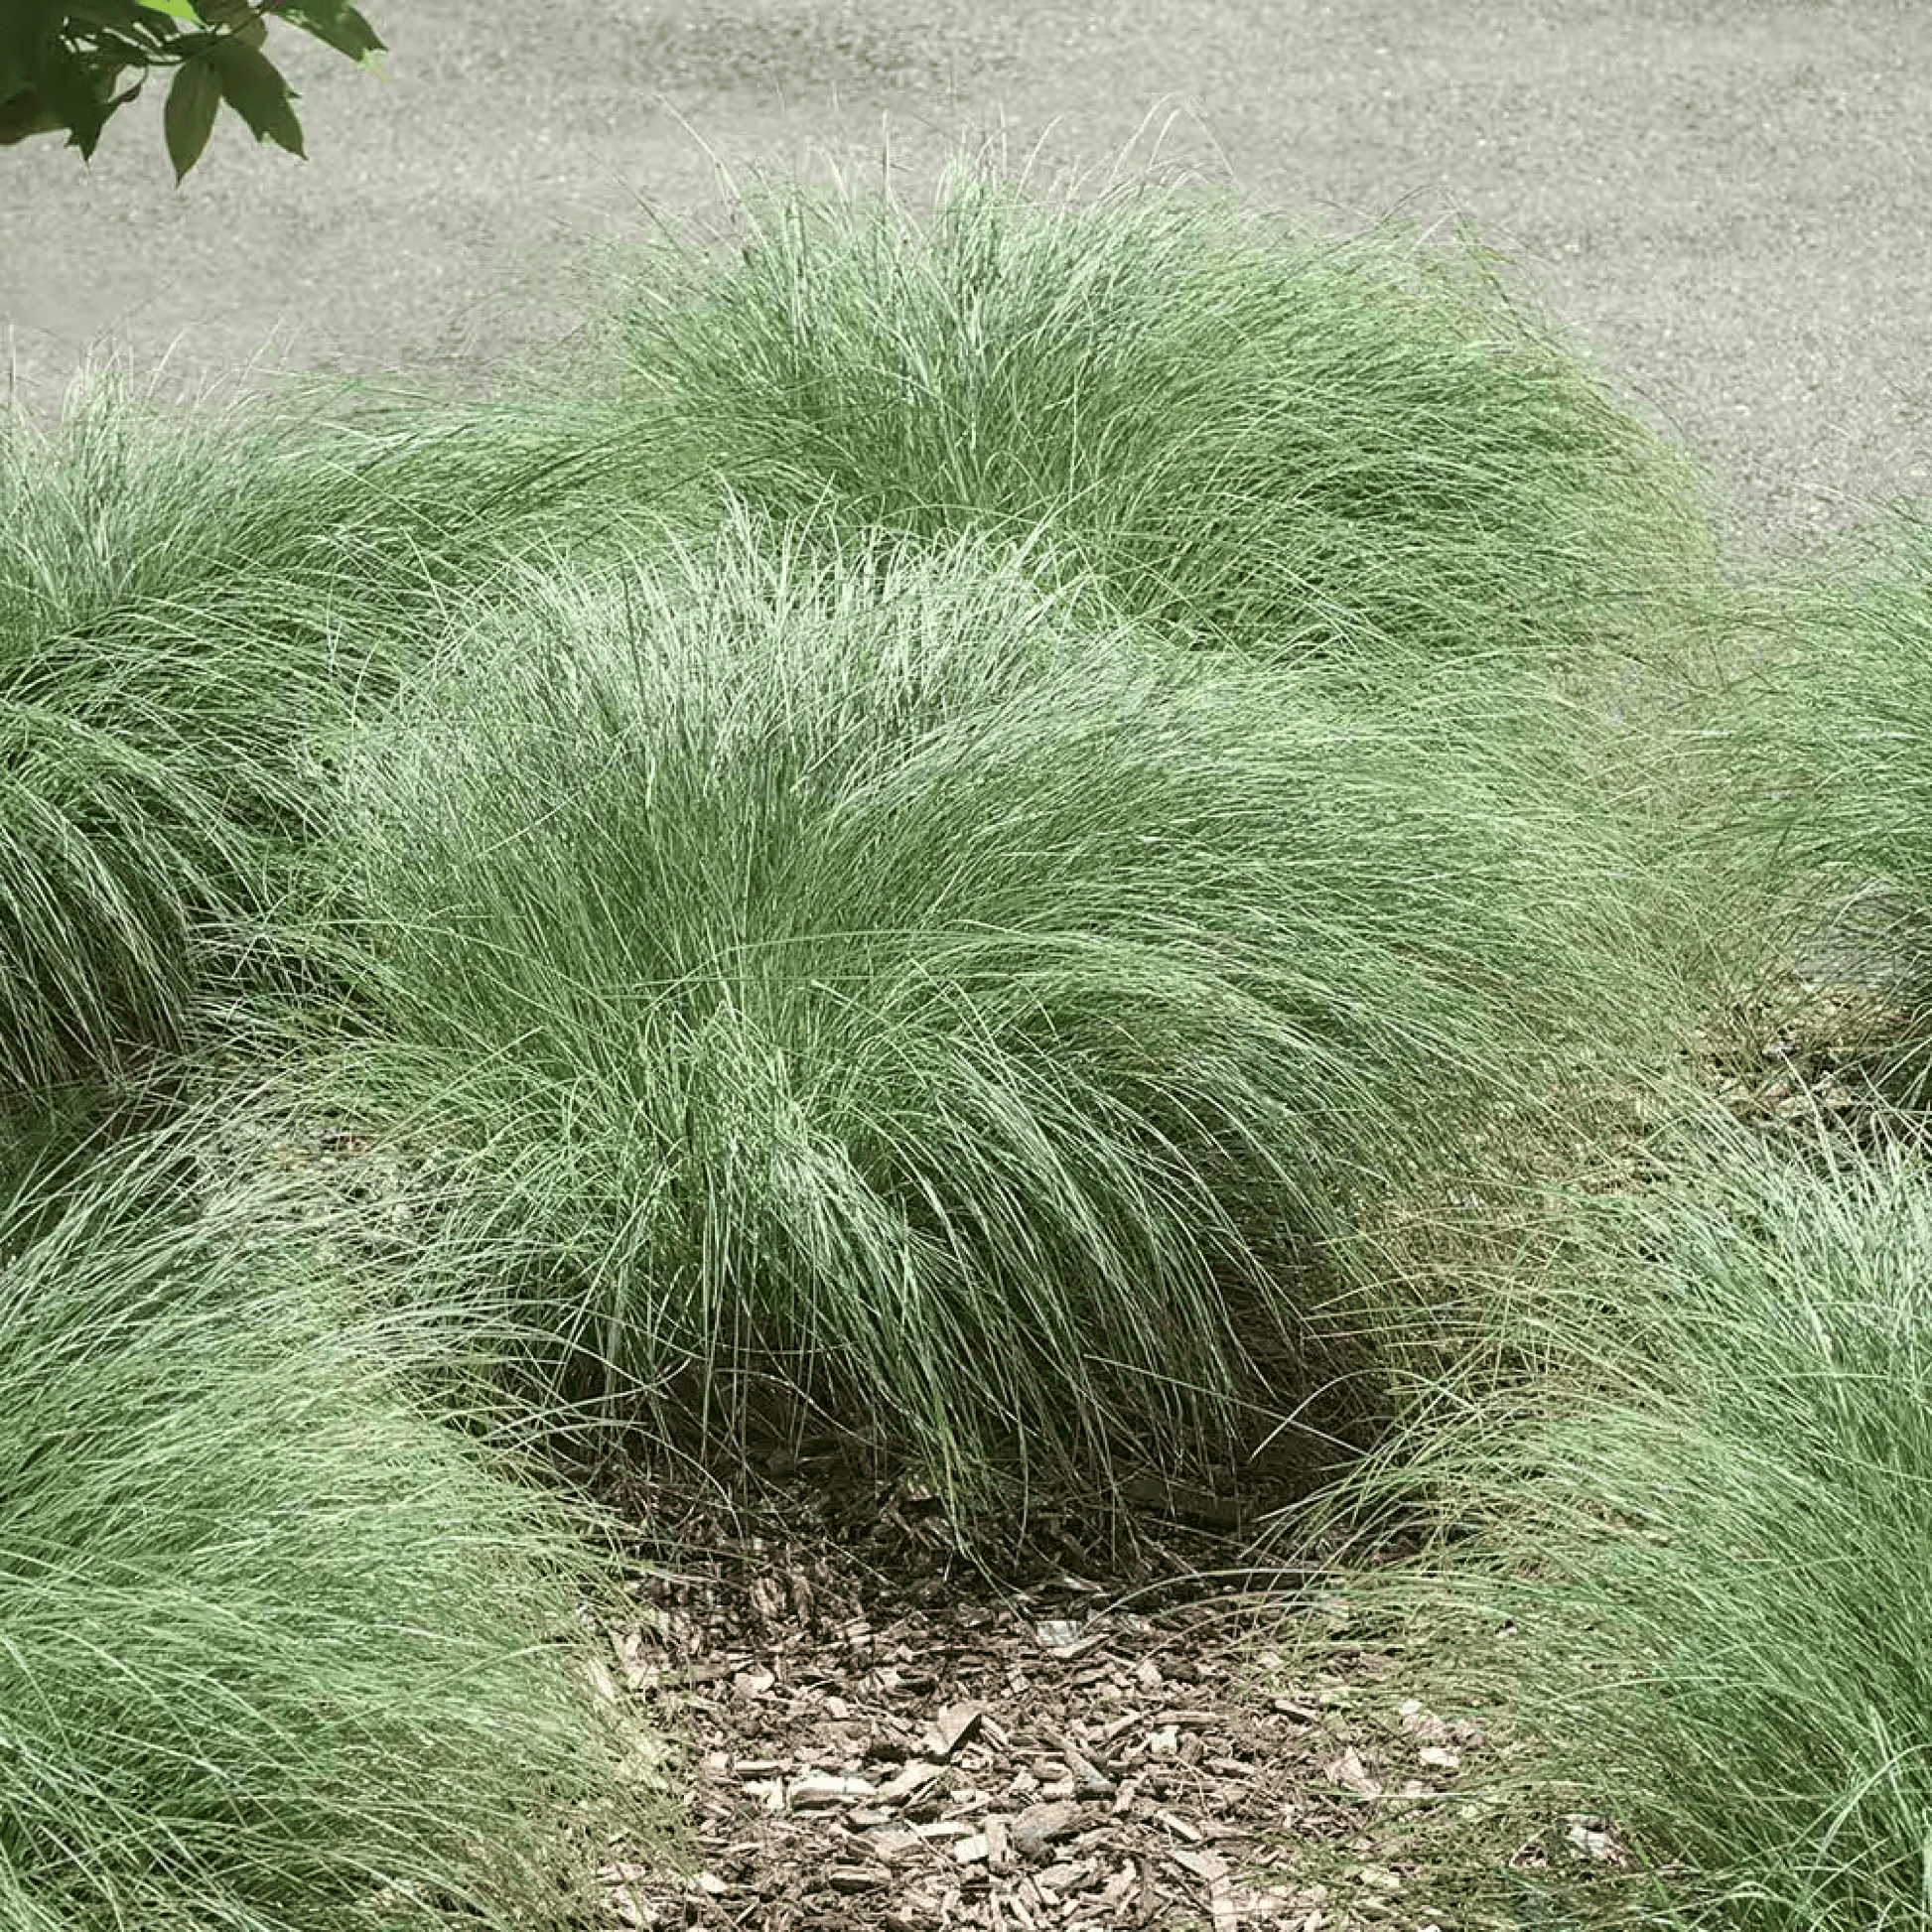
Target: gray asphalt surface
1729 201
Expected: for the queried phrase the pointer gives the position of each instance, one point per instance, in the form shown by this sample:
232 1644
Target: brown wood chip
866 1762
955 1725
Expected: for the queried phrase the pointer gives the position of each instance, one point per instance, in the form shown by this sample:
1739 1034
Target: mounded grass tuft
1700 1526
278 1652
323 501
873 977
192 606
1246 430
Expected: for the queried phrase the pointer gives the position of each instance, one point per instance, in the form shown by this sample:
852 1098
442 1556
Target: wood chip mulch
881 1740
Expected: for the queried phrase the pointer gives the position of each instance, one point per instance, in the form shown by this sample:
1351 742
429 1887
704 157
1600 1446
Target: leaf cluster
70 65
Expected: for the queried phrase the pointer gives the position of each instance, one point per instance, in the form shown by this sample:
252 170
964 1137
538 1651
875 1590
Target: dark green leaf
78 91
236 17
336 23
189 117
110 52
29 35
122 17
28 24
24 114
253 87
124 14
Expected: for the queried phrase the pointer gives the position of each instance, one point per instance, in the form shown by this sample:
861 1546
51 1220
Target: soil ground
877 1737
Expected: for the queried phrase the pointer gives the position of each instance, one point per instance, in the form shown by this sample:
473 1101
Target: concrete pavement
1731 200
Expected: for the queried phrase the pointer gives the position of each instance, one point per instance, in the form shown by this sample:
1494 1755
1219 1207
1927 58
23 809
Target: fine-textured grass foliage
278 1652
293 508
1701 1525
1822 759
1246 430
869 974
191 607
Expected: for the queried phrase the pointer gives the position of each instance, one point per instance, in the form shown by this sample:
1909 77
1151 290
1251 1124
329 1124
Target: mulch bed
878 1735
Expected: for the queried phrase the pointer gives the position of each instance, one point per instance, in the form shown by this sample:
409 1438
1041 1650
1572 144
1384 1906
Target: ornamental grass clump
870 977
1692 1542
279 1651
1245 429
1818 775
192 606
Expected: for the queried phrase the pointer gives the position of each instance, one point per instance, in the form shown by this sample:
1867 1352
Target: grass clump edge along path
882 981
279 1651
1243 428
1815 773
1681 1540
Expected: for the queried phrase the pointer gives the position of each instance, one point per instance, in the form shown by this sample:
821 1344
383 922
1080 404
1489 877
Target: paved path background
1730 199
